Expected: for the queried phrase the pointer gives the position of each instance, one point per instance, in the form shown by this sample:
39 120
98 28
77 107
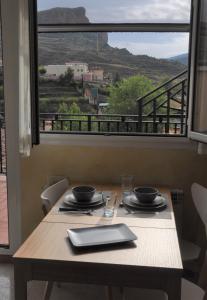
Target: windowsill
118 141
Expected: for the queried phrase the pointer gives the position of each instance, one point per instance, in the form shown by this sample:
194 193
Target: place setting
141 201
83 199
144 199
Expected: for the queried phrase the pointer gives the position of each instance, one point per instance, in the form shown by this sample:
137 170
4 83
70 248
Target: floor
4 239
87 292
36 289
67 291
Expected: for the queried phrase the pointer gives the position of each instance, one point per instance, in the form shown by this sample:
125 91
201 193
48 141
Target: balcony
161 112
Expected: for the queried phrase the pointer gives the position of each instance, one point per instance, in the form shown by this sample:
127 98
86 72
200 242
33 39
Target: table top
154 248
157 245
141 220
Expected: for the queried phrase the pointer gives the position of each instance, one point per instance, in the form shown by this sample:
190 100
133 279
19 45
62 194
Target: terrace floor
4 237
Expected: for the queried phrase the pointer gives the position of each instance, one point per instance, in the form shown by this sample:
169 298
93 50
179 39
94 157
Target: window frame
115 27
196 136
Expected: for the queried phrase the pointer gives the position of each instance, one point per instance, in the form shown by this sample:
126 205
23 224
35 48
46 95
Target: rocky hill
63 15
93 48
182 58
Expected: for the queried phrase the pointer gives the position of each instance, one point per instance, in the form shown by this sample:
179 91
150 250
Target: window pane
114 11
200 108
91 81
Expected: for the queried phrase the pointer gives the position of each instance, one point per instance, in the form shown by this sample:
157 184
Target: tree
71 110
1 92
42 70
117 78
67 78
123 96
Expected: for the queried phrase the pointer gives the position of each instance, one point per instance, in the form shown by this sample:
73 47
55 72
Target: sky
160 45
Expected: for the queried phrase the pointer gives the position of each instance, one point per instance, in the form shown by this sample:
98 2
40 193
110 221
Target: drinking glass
127 183
110 206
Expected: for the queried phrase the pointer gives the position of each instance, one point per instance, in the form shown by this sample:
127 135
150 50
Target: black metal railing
110 124
162 111
170 98
2 145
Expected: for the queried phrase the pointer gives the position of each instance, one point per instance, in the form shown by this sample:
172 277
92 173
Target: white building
55 70
79 69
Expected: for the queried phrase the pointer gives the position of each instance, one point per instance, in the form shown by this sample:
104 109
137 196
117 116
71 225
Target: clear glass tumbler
109 206
127 183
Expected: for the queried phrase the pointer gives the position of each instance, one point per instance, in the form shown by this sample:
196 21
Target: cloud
127 11
159 45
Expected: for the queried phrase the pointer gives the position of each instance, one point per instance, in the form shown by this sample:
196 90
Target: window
198 128
116 11
113 69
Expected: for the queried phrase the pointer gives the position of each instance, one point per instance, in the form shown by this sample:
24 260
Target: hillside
183 58
93 48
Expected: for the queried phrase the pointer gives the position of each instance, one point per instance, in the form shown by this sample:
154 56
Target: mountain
183 58
93 48
63 15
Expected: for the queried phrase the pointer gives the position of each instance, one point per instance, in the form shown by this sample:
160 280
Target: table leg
173 289
20 281
109 293
122 293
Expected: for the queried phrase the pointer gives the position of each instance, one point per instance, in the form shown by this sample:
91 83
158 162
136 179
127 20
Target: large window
120 67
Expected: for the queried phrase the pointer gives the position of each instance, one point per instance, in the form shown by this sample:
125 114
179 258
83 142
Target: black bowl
145 194
83 193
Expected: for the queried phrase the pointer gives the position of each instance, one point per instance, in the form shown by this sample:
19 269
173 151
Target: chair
190 251
49 197
189 290
192 254
51 194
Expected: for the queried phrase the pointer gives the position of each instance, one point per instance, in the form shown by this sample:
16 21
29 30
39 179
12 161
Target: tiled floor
3 212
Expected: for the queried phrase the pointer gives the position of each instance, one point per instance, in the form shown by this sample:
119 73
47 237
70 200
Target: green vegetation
42 70
123 96
1 92
67 78
72 109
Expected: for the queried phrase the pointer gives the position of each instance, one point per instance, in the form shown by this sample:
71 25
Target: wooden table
153 262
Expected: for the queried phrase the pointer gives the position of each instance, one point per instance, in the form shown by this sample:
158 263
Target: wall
172 168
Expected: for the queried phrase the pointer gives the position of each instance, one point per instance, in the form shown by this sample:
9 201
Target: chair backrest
199 195
202 280
51 194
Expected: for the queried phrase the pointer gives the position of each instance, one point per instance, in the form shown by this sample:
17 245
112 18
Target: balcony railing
112 124
160 112
2 145
171 99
